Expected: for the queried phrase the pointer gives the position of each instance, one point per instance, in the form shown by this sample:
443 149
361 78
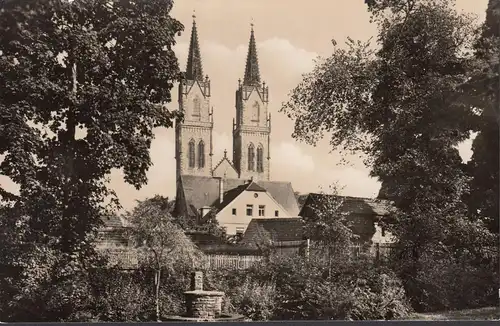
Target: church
237 187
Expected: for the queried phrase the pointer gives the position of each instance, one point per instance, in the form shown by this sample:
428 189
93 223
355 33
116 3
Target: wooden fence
220 261
128 258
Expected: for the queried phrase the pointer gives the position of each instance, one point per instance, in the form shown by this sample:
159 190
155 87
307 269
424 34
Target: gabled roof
252 186
355 205
225 159
230 195
200 191
112 221
276 229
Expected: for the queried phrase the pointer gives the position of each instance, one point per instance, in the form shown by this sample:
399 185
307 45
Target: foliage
308 289
160 242
483 92
402 105
327 226
255 301
81 83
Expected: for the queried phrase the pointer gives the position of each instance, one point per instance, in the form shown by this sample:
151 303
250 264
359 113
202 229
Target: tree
483 92
401 105
328 228
161 243
82 87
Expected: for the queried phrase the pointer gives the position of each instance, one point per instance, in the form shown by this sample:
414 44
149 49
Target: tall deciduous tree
401 105
81 88
484 91
160 241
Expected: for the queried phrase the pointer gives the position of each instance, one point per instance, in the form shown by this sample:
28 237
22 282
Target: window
260 159
262 209
256 111
201 154
191 154
383 232
276 213
251 157
196 107
249 210
234 211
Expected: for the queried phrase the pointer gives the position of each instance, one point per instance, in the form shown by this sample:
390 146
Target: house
235 201
283 236
365 215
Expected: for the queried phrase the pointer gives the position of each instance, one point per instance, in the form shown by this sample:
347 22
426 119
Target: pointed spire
252 74
194 70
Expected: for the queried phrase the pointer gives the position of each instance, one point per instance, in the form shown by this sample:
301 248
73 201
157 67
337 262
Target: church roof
252 73
199 191
194 69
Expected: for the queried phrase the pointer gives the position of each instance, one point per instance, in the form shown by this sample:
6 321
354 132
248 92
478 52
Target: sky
290 35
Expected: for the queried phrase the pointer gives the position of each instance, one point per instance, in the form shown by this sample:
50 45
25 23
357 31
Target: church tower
252 126
193 136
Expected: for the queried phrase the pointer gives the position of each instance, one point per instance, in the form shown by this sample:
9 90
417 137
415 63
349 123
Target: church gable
225 169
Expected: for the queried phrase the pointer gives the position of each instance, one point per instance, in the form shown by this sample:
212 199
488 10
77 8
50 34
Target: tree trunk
157 293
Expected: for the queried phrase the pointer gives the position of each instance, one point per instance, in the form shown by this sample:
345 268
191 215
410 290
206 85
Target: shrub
307 289
255 301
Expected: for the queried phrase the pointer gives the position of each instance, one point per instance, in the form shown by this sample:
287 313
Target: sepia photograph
249 161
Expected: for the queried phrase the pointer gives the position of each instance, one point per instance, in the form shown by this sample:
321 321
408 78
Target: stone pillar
197 281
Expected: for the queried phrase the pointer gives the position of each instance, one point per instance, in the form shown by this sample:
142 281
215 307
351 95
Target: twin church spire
252 73
194 69
251 127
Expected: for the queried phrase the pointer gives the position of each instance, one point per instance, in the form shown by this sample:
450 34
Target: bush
255 301
452 283
307 289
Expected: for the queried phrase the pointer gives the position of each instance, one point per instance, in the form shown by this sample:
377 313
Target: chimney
221 190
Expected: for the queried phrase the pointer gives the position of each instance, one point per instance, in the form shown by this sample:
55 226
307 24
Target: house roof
277 229
356 205
252 186
112 221
200 191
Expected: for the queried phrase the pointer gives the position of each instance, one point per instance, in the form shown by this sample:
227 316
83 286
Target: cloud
351 181
289 157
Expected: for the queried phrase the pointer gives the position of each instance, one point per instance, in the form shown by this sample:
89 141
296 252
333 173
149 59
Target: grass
488 313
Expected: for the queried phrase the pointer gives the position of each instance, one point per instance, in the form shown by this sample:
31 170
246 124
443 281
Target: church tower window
197 108
191 154
251 157
260 159
201 154
256 111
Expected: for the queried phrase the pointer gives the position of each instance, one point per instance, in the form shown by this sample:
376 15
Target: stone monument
203 305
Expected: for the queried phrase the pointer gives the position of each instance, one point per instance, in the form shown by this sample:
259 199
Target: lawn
489 313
